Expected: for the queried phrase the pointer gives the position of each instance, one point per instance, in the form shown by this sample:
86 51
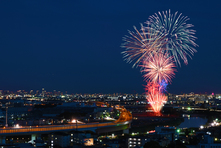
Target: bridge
123 123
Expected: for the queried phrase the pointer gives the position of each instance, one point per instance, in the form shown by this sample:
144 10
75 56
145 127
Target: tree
193 140
152 144
176 144
187 132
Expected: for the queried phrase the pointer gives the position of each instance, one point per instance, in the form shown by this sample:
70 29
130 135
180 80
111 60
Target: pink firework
158 67
140 44
155 96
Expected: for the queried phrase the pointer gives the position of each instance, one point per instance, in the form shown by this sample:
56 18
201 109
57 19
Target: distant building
208 142
111 143
167 132
137 141
71 138
163 135
59 139
113 98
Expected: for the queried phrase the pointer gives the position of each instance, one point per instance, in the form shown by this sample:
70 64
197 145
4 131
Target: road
125 118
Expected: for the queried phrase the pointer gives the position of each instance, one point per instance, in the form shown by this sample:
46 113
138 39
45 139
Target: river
192 121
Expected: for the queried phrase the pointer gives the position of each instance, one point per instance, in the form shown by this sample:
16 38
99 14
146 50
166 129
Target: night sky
74 46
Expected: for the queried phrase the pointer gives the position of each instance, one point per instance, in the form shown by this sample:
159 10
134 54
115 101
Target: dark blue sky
74 45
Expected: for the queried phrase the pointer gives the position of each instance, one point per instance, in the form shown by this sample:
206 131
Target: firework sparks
177 37
159 67
140 44
155 96
163 85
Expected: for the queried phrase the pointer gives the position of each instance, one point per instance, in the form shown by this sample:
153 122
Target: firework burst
159 67
156 47
140 44
176 36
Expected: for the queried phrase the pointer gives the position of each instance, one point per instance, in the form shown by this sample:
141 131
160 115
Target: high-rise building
43 92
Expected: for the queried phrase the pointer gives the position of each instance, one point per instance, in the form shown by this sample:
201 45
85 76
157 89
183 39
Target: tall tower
43 92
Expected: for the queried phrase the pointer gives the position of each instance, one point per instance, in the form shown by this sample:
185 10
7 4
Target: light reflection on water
192 122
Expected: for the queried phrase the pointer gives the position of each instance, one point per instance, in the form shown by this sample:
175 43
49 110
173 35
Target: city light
201 127
109 118
209 133
17 126
214 123
73 121
178 130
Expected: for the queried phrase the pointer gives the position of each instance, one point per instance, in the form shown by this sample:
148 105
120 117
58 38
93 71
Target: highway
53 128
124 118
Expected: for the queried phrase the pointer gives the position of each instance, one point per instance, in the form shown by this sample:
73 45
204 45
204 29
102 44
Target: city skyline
75 46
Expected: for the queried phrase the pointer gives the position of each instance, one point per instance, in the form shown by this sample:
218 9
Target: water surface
192 122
